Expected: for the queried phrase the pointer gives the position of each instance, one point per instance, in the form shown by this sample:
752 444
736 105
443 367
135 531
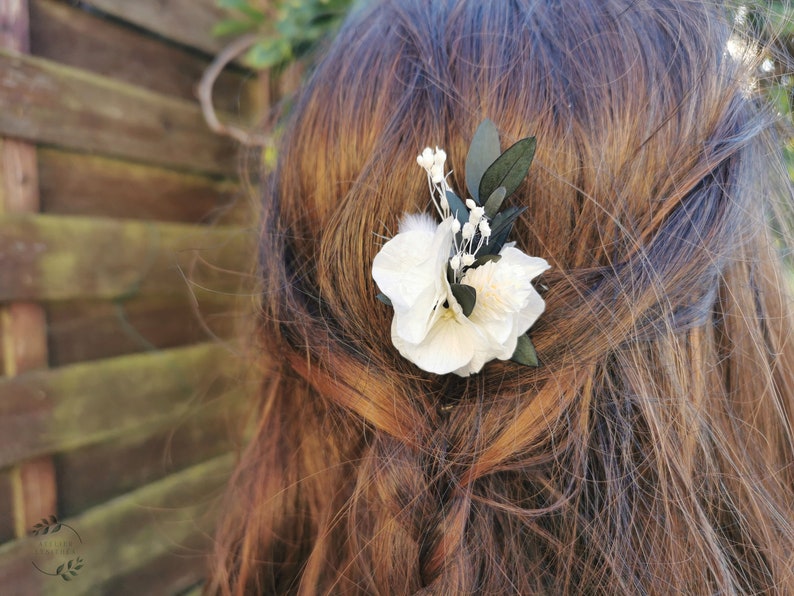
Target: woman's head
652 449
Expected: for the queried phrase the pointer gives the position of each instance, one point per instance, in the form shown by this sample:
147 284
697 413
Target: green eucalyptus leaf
501 225
466 297
384 298
484 259
494 201
483 151
510 169
525 352
457 207
60 568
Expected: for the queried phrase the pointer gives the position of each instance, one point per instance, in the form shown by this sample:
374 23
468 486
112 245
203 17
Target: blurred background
132 134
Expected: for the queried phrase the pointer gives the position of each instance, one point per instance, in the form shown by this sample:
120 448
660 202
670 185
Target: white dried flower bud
485 228
426 158
440 157
476 215
455 226
454 262
470 204
467 259
468 230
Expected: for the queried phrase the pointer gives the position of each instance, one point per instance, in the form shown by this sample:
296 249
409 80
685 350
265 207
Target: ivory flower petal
410 270
507 304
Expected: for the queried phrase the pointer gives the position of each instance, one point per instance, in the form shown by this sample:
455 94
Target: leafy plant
286 29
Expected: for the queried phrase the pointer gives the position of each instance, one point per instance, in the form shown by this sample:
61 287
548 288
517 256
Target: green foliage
287 29
525 352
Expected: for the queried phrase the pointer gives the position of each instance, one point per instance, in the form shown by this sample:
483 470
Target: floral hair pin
462 295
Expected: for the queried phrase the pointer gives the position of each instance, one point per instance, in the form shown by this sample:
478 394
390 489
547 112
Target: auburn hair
651 452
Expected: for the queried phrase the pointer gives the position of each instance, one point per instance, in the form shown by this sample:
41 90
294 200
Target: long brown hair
652 450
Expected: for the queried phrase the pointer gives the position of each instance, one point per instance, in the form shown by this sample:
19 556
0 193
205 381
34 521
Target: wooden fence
124 240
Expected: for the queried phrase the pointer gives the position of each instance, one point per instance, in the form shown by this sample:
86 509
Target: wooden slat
126 535
139 459
188 22
171 573
6 505
58 258
66 408
72 36
91 329
77 109
24 334
80 184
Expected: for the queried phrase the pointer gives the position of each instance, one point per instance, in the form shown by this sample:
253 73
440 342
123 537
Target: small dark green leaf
510 169
60 568
494 201
70 564
66 577
485 259
268 53
44 521
53 519
501 226
78 567
73 572
466 297
56 528
483 151
229 27
525 352
384 298
457 207
45 530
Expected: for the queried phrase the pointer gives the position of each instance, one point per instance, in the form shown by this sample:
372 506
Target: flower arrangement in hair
462 294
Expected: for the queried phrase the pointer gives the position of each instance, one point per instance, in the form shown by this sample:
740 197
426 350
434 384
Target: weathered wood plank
44 257
188 22
80 110
14 25
90 329
23 323
124 535
59 409
144 457
6 505
171 573
80 184
72 36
